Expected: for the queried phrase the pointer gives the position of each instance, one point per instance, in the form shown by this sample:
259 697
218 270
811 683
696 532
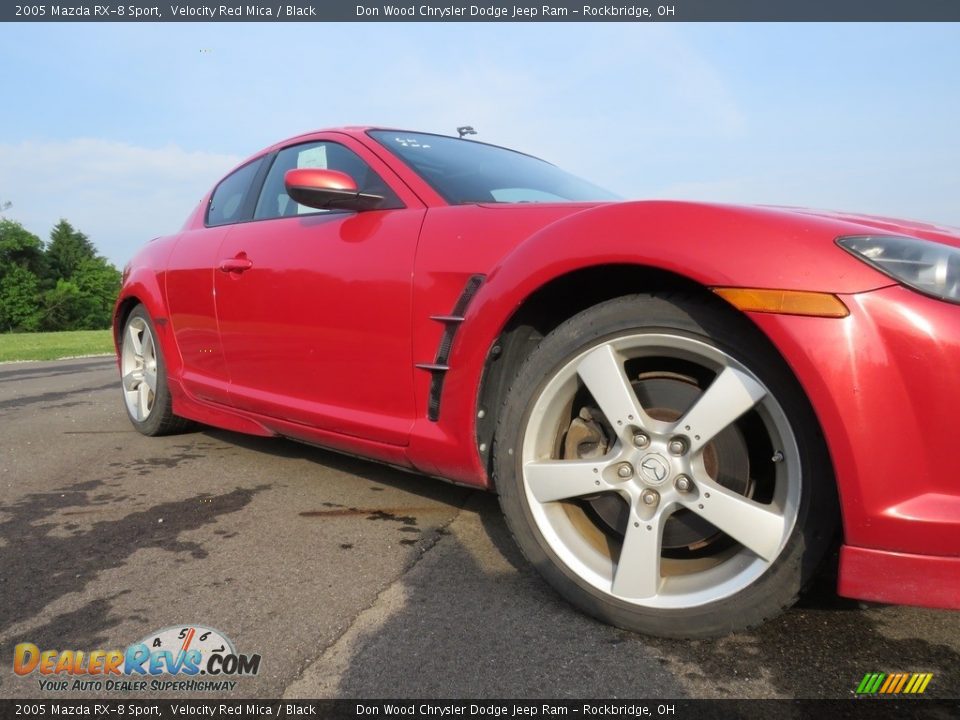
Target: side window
227 204
274 201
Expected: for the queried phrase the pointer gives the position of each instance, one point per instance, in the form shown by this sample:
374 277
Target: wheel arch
125 306
554 302
144 287
561 298
650 246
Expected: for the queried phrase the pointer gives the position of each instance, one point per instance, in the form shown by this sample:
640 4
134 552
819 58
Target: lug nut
625 470
650 497
641 440
677 446
683 484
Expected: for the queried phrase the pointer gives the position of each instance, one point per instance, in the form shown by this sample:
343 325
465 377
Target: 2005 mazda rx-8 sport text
681 405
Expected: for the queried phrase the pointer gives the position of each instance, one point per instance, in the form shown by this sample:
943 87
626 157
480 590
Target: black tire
547 530
157 417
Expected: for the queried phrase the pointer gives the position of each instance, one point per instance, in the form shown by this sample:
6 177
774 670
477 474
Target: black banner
482 11
442 709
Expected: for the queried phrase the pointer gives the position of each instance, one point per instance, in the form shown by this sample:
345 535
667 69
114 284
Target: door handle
235 265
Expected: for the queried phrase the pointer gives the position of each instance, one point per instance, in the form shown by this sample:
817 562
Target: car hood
870 223
885 225
844 223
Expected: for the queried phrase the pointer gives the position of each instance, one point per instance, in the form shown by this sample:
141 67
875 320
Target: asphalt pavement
351 579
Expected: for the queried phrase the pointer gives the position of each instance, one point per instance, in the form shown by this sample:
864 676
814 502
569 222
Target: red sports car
681 405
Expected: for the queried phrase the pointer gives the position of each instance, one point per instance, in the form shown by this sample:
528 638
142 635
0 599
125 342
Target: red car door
314 307
189 285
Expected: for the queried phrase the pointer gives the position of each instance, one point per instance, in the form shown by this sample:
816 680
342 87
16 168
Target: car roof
358 131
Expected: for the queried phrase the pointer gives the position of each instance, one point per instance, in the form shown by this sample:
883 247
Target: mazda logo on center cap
654 469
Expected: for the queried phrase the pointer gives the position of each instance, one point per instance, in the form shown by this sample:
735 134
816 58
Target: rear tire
143 374
660 466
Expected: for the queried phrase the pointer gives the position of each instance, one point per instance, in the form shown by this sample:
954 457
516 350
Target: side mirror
328 190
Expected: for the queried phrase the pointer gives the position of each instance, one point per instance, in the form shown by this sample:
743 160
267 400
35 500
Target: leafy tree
99 285
65 286
19 299
67 249
62 307
21 248
84 302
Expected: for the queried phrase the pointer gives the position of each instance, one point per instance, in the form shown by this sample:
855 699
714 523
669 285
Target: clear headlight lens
928 267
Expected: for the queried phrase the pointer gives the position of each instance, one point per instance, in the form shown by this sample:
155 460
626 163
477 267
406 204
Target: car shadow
410 481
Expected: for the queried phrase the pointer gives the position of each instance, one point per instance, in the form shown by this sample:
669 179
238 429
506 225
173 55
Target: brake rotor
667 397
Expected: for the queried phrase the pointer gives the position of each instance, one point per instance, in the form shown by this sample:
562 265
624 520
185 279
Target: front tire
143 372
660 466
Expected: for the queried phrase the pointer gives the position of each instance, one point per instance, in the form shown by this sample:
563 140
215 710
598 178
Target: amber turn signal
785 302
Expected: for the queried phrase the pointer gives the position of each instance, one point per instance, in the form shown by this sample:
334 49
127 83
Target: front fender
145 284
711 245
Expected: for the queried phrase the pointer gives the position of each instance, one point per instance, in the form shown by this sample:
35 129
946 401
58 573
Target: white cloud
119 194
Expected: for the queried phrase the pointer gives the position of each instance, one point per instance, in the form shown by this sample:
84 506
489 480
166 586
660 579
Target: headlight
927 267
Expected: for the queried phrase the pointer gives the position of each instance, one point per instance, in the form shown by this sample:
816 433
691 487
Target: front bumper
899 578
885 385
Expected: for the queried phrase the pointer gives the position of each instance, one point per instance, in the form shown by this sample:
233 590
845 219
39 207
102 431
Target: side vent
438 368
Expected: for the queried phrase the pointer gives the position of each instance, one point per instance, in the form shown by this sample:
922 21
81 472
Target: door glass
227 203
274 201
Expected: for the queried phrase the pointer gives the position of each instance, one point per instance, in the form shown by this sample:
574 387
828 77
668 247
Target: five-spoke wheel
143 377
138 366
657 463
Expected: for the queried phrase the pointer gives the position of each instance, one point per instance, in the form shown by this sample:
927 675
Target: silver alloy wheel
658 468
138 367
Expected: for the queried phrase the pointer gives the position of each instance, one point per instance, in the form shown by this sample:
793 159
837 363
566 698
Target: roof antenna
466 130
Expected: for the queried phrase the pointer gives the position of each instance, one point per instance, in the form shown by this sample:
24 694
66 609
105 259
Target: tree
21 248
62 307
19 299
68 248
66 286
99 284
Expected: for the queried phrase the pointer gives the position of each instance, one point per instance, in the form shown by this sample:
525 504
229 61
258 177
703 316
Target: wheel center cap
654 469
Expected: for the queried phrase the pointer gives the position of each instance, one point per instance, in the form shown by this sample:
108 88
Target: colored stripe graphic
894 684
875 685
921 682
890 683
903 679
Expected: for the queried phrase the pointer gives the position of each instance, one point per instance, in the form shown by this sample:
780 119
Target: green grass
54 345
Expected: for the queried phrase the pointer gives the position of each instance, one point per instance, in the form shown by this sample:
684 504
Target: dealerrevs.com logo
179 658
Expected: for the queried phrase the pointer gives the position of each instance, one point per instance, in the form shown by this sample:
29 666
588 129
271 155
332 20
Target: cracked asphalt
352 580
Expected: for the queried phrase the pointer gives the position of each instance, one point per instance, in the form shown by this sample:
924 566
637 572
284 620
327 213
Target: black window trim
256 182
249 202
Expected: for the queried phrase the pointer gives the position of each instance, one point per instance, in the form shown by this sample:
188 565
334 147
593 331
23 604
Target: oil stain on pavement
68 563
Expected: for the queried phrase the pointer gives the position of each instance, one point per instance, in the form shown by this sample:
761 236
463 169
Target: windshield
463 171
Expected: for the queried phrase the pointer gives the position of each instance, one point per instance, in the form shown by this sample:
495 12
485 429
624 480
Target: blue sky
120 128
